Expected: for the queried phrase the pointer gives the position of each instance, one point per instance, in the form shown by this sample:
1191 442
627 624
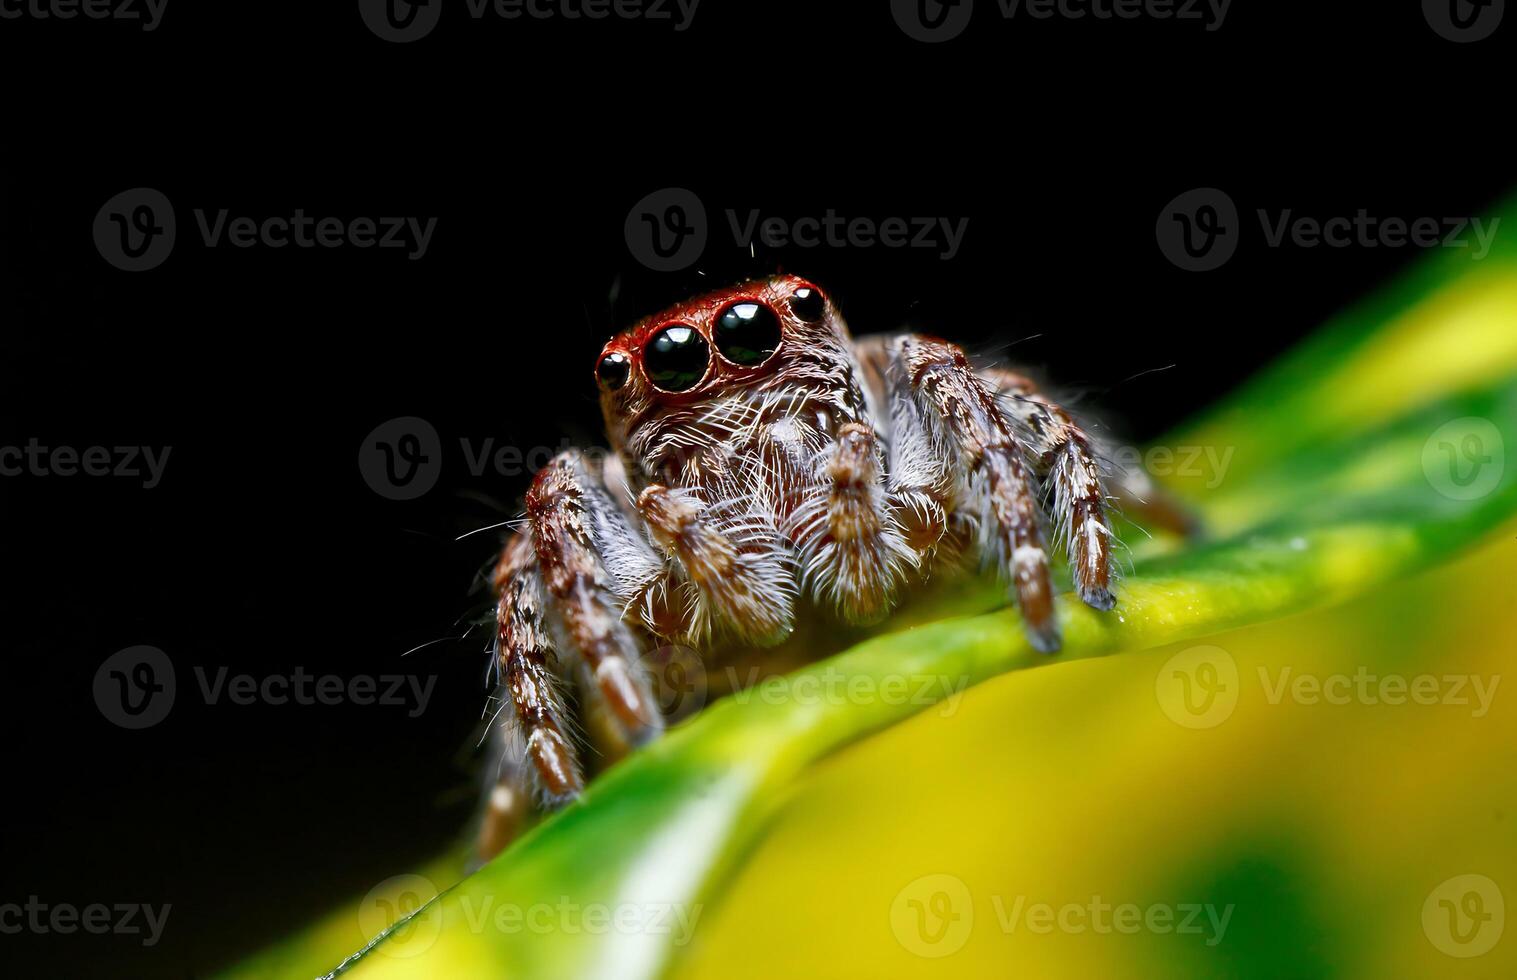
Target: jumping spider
763 458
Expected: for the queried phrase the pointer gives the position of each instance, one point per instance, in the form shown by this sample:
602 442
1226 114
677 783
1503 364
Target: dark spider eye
747 333
612 370
808 304
676 357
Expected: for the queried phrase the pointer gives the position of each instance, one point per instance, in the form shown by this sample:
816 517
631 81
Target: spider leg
738 573
1062 458
1136 494
919 481
851 546
538 729
959 414
590 560
508 792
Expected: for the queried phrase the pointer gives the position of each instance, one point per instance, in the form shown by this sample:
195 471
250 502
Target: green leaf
1340 483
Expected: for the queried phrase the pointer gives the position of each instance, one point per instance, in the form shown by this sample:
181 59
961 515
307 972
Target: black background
263 549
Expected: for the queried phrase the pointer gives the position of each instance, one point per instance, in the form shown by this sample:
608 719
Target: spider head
741 338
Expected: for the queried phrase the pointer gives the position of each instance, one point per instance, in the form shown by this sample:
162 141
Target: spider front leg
581 538
736 573
559 605
959 414
852 547
533 745
1066 464
508 803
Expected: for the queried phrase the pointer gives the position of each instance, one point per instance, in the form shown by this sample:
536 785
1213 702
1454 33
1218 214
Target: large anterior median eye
747 333
676 358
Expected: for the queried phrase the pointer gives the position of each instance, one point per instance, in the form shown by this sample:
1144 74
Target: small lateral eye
612 370
747 333
808 303
676 358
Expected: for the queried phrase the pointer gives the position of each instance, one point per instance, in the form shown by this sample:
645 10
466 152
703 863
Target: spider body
764 462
